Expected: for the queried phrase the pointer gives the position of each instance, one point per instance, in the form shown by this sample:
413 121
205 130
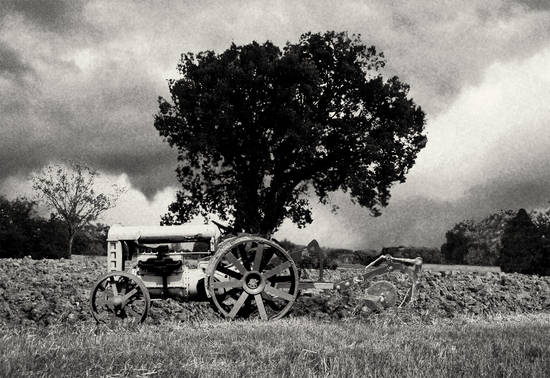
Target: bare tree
69 191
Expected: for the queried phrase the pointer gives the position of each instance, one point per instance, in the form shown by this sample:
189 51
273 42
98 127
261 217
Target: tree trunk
321 266
70 244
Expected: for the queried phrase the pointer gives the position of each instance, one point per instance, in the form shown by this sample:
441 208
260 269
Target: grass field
502 347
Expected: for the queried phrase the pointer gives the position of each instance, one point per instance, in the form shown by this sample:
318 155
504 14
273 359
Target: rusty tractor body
243 275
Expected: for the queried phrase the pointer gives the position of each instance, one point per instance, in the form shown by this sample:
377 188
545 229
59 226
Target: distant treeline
24 233
515 241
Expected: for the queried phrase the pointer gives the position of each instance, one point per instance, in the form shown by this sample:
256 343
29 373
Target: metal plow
379 294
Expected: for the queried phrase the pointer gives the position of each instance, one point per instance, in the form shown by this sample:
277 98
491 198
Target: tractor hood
157 234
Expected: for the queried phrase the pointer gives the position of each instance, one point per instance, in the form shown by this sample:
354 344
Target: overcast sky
80 81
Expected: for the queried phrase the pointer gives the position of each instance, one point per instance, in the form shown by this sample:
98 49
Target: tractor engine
173 272
171 261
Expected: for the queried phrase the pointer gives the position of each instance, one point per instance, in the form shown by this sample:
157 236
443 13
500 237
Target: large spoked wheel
119 298
252 277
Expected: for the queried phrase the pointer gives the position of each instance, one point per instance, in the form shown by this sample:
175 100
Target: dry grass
501 346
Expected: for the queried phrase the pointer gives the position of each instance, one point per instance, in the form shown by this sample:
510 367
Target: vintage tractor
243 275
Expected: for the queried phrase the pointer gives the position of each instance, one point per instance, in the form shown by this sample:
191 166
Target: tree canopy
257 127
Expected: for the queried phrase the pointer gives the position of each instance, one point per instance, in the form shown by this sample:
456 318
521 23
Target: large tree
70 190
256 127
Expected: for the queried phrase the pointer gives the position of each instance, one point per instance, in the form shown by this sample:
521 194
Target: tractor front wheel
119 298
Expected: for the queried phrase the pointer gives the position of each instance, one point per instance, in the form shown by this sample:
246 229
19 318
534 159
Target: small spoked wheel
252 277
119 298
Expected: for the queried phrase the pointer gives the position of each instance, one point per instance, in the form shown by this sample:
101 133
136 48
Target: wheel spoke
261 308
129 295
278 269
113 285
233 260
124 285
275 279
231 273
258 257
227 294
238 305
244 256
227 284
273 302
268 255
278 293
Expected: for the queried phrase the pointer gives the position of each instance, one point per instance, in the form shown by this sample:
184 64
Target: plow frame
382 265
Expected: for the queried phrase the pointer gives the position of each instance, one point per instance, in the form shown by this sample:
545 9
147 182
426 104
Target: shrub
476 243
522 246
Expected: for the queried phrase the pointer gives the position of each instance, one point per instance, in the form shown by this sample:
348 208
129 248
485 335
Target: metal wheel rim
267 292
129 289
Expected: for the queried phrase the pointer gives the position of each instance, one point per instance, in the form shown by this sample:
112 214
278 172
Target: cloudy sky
80 81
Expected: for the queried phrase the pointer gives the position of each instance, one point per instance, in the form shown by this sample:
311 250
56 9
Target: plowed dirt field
43 292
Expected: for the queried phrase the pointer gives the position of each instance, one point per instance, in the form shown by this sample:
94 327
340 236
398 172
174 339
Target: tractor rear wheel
252 277
119 298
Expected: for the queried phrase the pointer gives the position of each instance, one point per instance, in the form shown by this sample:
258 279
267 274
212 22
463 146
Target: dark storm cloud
11 62
107 124
51 15
417 221
93 98
442 47
510 193
534 4
423 221
429 220
149 171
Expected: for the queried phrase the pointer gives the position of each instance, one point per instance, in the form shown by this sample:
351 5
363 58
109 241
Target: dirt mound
44 292
442 294
479 293
56 291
